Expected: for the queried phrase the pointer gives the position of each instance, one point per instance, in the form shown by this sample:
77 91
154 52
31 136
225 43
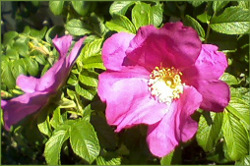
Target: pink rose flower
159 77
38 91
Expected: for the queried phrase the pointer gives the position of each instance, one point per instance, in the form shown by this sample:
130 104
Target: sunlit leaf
156 14
89 78
236 136
120 7
190 21
243 161
84 141
229 79
218 5
121 23
56 7
81 7
209 128
77 27
53 146
108 161
234 20
141 15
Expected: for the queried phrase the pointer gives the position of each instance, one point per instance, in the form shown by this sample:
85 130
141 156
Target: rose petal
62 44
55 76
210 64
172 45
75 52
128 99
27 84
216 94
113 51
176 125
18 108
3 103
108 78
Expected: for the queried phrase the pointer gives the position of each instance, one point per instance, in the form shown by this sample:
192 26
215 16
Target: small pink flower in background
39 90
159 77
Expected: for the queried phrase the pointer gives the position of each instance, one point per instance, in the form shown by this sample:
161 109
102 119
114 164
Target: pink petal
176 125
18 108
59 72
128 99
75 52
3 103
27 83
108 78
210 64
55 76
172 45
216 94
62 44
113 51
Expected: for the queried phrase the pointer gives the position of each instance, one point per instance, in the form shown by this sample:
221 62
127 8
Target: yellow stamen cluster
165 84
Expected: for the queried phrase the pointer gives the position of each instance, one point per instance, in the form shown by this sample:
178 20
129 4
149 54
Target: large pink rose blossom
159 77
38 91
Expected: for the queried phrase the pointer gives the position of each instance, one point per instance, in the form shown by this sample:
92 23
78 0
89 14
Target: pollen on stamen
165 84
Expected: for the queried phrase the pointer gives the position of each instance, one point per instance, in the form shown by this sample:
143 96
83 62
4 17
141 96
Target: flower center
165 84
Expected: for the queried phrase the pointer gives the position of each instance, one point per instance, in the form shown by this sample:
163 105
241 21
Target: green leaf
218 5
232 21
77 27
196 3
204 17
57 119
240 109
9 37
87 94
12 54
156 14
90 56
190 21
39 34
236 137
91 48
121 23
84 141
95 24
21 47
56 7
66 103
81 7
43 122
31 66
141 15
172 158
40 59
229 79
73 80
243 161
94 62
166 160
53 146
120 7
108 161
18 68
241 92
7 76
243 4
210 124
89 78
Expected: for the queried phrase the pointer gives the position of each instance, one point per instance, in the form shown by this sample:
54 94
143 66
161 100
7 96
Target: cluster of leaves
73 129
